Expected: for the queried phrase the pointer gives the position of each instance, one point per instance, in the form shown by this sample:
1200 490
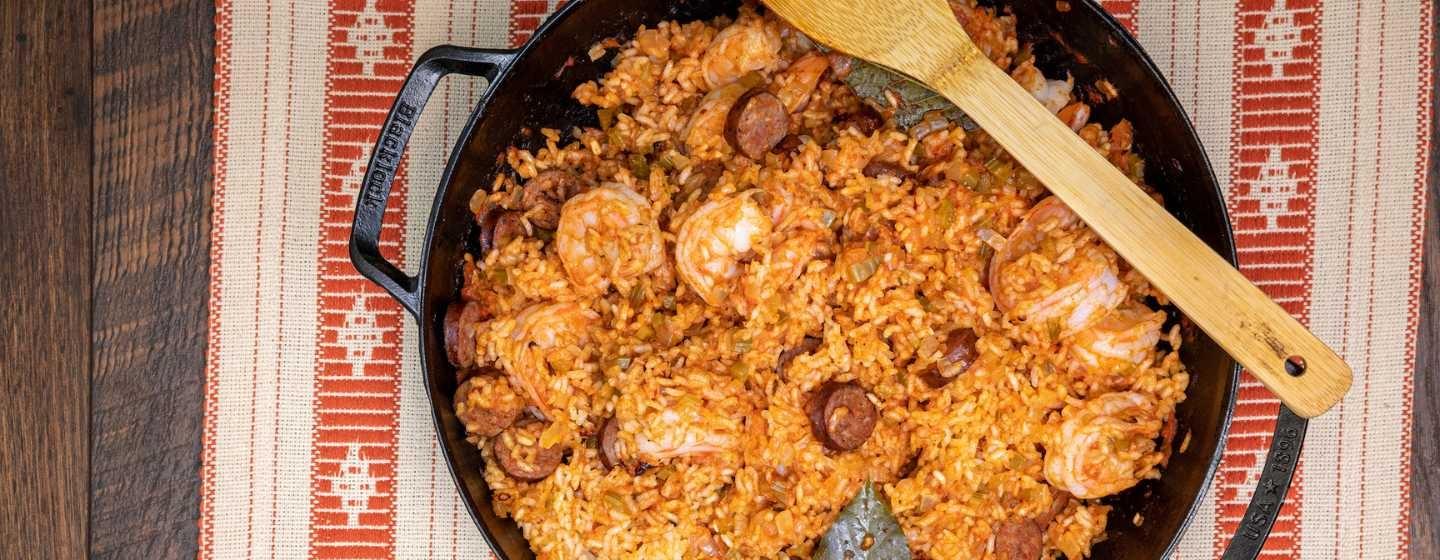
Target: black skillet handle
1274 484
370 204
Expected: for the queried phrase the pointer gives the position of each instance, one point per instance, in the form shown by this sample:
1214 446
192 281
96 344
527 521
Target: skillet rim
426 309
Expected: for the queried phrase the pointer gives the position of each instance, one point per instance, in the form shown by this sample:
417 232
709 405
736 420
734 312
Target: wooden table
105 144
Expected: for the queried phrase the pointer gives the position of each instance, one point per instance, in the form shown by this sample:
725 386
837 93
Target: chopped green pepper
639 167
864 269
946 214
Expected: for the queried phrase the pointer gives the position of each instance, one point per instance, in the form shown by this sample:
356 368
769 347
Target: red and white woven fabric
318 441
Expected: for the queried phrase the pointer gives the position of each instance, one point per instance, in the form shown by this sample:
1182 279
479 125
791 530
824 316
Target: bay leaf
912 99
865 530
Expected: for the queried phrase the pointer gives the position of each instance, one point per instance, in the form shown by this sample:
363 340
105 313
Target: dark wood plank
152 173
153 75
45 303
1425 451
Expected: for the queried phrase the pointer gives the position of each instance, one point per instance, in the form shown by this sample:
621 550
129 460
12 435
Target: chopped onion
827 217
863 270
932 121
946 214
673 160
740 371
616 501
994 240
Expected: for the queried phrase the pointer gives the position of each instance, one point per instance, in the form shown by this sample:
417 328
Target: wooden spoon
921 38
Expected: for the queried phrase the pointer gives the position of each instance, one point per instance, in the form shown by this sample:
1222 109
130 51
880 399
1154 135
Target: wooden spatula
922 39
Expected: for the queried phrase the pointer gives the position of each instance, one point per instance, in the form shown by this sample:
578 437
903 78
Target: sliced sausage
553 184
787 144
483 235
543 195
496 226
878 168
1018 539
608 440
702 177
1060 499
486 403
960 347
806 346
866 120
509 225
756 123
911 465
705 131
960 354
544 214
518 452
841 416
460 321
931 376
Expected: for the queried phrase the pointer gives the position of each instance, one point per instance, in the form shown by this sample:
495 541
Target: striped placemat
318 440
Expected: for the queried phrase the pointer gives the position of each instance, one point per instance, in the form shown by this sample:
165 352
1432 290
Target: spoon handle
1258 333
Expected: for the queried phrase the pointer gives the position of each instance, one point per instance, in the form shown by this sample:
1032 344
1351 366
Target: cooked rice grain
893 266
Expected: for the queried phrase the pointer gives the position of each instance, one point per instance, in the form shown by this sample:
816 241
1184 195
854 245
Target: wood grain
45 302
152 90
922 39
1425 440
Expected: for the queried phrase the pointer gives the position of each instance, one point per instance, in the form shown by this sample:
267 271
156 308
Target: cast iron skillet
530 89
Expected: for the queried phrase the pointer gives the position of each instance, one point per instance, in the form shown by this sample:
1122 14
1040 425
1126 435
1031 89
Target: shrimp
529 351
683 427
785 262
711 242
608 235
684 414
790 256
747 45
1093 289
1051 270
1126 335
670 434
1105 447
796 83
1053 94
1075 115
705 131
